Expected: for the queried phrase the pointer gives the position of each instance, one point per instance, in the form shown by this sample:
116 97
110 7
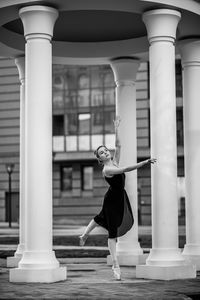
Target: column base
165 272
128 259
38 275
193 260
13 261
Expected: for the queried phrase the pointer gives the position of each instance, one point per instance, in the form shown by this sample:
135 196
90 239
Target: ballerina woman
116 215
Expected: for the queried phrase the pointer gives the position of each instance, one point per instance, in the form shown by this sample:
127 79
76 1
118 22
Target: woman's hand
151 161
117 122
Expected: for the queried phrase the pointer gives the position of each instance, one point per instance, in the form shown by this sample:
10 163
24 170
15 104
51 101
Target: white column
128 248
190 53
165 260
13 261
38 263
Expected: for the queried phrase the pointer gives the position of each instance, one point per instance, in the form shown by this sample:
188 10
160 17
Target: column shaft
13 261
165 260
191 89
163 145
20 62
39 145
38 263
125 70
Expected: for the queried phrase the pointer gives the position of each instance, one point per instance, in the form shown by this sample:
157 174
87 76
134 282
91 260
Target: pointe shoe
82 239
116 273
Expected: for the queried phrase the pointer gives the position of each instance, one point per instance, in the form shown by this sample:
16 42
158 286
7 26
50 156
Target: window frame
62 178
82 177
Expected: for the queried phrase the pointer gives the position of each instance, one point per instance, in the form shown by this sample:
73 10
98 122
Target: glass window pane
71 143
58 125
71 124
83 97
84 81
96 97
109 116
58 82
84 142
97 140
70 99
87 178
179 126
58 102
58 143
109 79
66 177
96 77
110 141
71 78
84 123
109 96
97 122
178 79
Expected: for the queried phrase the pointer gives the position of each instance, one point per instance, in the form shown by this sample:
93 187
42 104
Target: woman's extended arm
110 171
116 156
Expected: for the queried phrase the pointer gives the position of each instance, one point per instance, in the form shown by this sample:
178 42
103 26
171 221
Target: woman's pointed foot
116 272
82 239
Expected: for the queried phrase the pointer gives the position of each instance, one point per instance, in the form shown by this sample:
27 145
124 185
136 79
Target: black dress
116 214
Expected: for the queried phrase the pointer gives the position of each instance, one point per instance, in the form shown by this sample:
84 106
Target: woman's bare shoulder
109 171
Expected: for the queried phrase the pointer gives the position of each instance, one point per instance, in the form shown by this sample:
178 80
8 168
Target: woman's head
102 154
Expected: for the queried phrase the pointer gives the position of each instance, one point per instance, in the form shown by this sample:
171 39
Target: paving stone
93 279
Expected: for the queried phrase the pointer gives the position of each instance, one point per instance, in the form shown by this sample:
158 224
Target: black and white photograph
100 149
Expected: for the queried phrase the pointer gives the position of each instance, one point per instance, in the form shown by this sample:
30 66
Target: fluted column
13 261
38 263
128 248
190 55
165 260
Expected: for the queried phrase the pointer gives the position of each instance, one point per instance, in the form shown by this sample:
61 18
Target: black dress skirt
116 214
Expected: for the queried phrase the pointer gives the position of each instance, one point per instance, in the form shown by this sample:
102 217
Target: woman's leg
87 231
112 248
113 252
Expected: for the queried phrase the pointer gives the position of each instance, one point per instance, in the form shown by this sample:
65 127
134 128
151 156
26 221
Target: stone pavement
91 278
88 276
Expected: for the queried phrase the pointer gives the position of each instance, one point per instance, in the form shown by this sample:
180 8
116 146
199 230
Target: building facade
83 113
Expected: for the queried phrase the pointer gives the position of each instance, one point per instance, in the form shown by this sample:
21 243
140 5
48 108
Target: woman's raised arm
116 157
110 171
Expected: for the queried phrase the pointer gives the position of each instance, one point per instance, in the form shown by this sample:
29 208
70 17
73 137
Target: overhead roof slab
91 31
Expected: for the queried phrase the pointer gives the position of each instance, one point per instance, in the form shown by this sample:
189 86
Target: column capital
190 52
161 24
20 63
38 21
125 70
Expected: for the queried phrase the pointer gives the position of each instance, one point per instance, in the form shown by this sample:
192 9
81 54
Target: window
87 178
96 77
84 81
71 124
84 123
109 116
85 97
58 82
179 125
66 178
58 103
108 79
178 79
96 97
97 122
109 96
58 125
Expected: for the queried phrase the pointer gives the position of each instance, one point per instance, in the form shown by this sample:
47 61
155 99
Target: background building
83 113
